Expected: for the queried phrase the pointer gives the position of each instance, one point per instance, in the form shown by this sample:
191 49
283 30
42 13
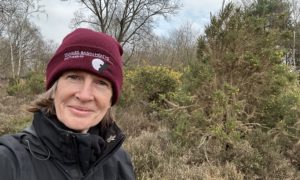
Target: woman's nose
85 92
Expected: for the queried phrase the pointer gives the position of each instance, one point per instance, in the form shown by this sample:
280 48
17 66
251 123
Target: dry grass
12 115
157 157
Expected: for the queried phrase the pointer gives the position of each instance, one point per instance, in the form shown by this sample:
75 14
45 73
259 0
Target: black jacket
57 153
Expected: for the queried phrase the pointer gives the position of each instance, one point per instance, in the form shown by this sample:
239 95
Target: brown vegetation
12 116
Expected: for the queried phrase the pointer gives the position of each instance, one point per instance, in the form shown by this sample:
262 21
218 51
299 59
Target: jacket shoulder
18 160
8 159
121 154
121 161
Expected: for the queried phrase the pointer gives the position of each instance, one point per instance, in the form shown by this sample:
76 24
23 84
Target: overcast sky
56 24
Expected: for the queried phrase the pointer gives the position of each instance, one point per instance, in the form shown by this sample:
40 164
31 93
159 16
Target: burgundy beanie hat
90 51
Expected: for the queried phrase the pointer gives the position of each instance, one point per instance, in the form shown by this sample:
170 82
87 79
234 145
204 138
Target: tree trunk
294 50
19 62
12 60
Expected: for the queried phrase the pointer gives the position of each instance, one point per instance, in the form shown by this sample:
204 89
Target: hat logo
99 65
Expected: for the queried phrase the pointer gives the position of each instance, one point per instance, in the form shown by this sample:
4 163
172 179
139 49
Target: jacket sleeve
8 164
126 171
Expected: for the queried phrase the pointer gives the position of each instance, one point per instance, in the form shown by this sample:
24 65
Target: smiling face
82 99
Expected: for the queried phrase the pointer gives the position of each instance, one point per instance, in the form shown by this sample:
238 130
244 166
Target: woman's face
82 99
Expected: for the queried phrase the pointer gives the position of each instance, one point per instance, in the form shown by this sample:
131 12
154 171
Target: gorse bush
245 109
150 82
151 87
237 104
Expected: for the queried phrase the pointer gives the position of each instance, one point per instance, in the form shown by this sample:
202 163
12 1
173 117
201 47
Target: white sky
56 24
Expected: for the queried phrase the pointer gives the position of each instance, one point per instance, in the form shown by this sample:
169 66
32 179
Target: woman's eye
73 77
102 83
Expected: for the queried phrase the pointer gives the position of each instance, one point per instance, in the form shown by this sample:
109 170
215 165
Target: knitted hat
90 51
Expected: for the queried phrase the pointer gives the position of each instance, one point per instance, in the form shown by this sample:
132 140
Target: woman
73 135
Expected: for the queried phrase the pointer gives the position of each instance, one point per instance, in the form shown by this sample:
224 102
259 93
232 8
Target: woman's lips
80 111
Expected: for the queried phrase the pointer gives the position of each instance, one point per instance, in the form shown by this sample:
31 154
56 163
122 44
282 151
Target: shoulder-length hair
45 102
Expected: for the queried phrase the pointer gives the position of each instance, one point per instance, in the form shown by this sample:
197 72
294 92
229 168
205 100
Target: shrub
35 82
150 82
152 88
128 95
32 84
16 87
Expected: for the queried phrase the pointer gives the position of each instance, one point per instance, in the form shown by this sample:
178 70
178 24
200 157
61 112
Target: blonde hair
45 102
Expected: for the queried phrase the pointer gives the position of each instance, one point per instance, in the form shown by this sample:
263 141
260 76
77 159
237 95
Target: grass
12 116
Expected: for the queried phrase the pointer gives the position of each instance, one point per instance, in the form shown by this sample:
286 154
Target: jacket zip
99 162
74 144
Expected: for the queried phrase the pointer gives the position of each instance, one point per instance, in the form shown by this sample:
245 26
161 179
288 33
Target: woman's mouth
80 111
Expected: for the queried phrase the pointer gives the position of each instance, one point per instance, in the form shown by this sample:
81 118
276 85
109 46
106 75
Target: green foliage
15 87
152 81
196 75
32 84
128 95
152 86
245 108
35 82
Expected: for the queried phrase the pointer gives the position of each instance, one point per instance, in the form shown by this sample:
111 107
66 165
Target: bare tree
125 19
129 21
175 50
7 9
295 14
28 44
183 43
16 28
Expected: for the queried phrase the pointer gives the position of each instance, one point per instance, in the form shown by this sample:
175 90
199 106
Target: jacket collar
68 147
